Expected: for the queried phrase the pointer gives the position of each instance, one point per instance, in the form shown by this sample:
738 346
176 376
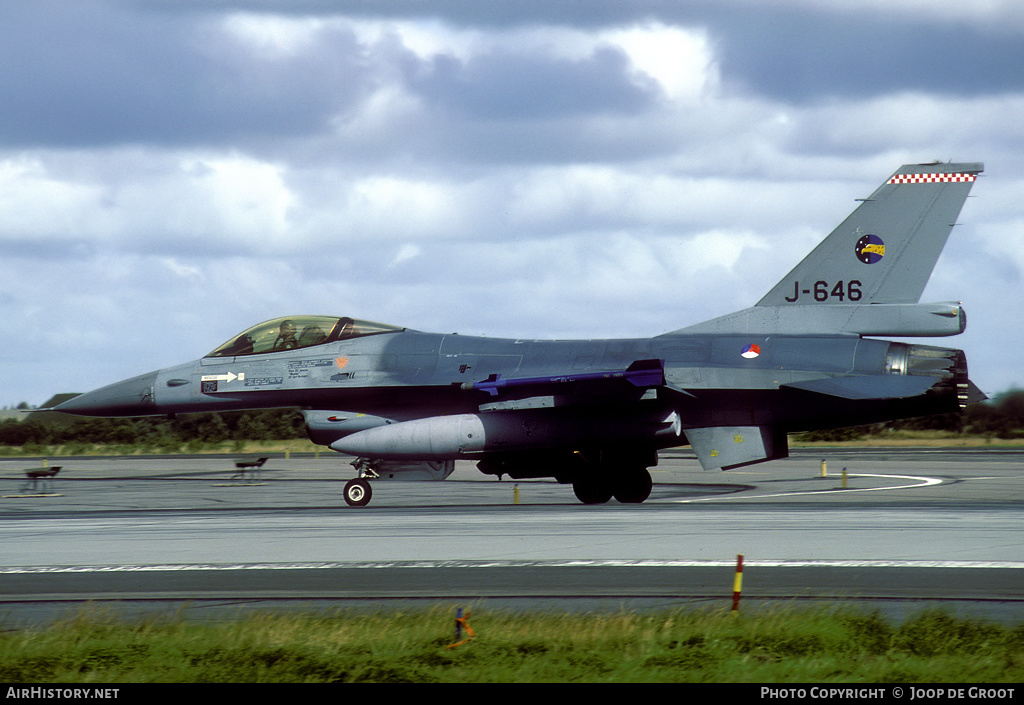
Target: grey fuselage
406 374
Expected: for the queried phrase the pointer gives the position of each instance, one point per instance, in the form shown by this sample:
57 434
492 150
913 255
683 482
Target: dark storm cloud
103 73
802 56
507 13
511 86
86 74
795 52
95 72
517 108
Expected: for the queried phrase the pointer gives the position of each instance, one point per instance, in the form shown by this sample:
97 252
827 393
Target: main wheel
633 487
358 493
591 491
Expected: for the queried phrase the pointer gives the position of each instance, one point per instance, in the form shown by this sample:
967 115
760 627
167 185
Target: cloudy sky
172 172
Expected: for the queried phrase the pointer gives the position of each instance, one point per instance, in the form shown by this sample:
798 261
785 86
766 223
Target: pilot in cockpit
286 339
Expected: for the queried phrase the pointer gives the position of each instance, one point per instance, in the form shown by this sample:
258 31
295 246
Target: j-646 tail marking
595 413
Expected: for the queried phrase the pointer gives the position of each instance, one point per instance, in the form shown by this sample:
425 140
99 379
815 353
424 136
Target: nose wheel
358 492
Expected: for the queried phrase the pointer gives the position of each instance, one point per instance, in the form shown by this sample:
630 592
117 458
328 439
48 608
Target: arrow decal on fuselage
229 377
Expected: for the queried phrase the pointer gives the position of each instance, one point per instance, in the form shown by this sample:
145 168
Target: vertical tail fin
884 252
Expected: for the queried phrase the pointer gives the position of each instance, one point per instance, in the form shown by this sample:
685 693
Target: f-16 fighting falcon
594 413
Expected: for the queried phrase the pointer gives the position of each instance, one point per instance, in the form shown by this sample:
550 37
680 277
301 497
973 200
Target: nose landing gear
357 492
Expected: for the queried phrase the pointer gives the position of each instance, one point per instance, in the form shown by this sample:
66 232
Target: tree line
1001 417
160 433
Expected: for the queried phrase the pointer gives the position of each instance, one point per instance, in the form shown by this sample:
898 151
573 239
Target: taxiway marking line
921 482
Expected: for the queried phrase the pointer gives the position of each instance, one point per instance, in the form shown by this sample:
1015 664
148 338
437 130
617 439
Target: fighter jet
594 413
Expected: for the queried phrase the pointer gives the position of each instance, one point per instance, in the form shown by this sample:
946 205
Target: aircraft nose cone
131 397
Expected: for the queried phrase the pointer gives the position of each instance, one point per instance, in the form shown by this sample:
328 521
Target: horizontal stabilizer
973 394
728 447
867 386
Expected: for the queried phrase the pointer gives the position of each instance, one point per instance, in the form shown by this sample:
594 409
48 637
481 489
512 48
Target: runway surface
910 528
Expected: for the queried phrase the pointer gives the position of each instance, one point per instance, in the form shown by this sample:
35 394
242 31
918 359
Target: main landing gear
596 475
632 486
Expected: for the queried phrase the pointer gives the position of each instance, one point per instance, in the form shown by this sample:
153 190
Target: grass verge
774 646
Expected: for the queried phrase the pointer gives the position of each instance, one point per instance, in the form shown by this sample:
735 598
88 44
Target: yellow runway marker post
737 583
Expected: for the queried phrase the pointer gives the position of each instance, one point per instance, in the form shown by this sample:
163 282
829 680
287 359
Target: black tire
358 493
591 491
633 487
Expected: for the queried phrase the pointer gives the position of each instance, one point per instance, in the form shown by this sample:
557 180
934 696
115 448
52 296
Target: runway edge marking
568 563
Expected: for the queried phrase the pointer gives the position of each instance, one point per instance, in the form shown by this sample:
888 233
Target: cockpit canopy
295 332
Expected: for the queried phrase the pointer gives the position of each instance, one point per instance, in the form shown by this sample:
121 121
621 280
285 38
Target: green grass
768 646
